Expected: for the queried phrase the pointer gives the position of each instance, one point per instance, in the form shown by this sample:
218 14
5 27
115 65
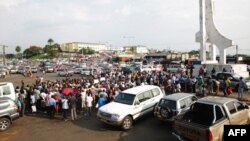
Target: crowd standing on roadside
99 89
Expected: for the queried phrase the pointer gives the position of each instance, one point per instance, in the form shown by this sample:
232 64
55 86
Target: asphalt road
40 128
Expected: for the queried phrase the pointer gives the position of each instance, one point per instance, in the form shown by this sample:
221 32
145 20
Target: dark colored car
234 78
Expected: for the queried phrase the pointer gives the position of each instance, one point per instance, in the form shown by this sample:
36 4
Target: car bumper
180 138
15 116
110 121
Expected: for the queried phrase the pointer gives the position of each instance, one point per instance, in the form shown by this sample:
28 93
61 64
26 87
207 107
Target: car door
234 115
243 113
149 101
138 106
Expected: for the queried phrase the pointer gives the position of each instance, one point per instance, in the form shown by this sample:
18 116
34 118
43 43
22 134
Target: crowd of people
80 95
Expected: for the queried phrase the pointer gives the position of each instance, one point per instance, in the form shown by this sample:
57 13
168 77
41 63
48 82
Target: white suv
129 105
172 105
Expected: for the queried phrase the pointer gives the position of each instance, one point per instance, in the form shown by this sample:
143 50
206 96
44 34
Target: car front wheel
127 123
4 124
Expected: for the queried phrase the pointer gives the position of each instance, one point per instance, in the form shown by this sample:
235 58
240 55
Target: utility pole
4 61
237 54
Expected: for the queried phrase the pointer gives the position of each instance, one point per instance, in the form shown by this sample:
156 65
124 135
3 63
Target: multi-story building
136 49
77 46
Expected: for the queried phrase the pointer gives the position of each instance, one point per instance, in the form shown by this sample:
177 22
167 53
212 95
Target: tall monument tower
209 36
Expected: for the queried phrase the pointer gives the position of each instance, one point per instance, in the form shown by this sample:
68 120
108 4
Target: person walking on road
89 103
240 88
72 101
65 107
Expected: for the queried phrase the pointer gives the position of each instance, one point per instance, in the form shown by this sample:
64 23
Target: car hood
115 108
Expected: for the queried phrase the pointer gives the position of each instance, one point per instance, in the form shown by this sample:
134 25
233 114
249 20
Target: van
7 90
129 105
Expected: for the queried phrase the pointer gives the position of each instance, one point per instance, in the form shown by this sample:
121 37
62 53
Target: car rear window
168 103
201 114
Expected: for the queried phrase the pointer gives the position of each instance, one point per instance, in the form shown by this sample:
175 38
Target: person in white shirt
83 96
178 87
65 107
89 103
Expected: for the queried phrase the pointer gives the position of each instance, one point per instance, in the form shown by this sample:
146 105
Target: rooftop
140 89
216 100
177 96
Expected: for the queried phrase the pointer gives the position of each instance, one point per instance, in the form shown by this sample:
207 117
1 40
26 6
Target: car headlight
248 83
115 116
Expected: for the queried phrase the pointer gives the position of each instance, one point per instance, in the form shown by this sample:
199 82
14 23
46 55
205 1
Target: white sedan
64 72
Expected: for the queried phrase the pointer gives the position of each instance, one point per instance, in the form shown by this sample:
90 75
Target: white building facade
77 46
136 49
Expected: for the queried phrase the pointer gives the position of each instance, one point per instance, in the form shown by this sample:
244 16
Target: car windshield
125 98
168 103
236 76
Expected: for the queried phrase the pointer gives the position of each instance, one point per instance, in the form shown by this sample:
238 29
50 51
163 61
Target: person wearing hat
240 88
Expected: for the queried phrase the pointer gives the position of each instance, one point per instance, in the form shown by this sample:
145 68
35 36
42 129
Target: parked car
64 72
8 112
8 108
86 71
21 70
172 105
34 69
77 70
206 118
129 105
48 69
14 70
146 68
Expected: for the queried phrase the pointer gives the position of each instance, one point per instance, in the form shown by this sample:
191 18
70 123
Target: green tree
9 56
51 48
50 41
87 51
18 49
32 51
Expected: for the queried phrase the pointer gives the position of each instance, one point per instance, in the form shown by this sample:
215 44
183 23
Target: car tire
127 123
4 124
166 112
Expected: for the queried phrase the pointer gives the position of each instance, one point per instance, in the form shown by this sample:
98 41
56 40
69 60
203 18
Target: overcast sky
159 24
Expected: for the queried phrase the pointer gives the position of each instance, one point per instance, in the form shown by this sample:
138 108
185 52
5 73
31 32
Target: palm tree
50 41
18 49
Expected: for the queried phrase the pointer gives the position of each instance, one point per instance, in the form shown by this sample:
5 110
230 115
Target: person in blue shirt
52 107
101 101
240 88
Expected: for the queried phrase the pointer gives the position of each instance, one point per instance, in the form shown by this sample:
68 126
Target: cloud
102 2
124 11
9 3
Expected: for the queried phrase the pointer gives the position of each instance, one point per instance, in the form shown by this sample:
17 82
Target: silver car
172 105
8 112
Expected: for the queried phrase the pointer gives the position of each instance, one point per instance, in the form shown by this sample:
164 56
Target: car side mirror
137 102
183 106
